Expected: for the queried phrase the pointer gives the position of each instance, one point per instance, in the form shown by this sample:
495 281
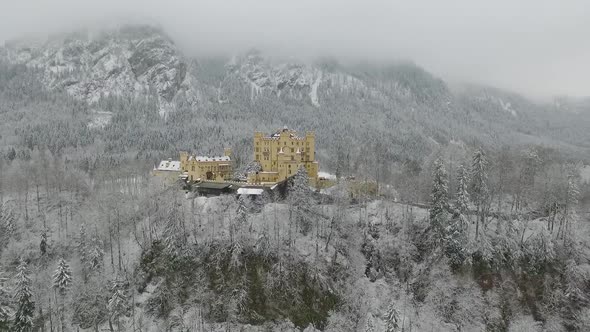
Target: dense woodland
487 232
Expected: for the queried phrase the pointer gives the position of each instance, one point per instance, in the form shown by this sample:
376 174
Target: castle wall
284 153
207 168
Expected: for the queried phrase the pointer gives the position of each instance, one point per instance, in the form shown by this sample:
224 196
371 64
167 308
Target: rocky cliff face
307 81
141 61
130 61
401 100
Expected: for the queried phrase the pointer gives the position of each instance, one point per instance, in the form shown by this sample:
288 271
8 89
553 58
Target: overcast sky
536 47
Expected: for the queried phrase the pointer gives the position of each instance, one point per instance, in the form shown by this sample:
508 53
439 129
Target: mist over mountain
400 101
440 206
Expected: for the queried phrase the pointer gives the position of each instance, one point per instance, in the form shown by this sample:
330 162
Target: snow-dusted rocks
136 61
301 81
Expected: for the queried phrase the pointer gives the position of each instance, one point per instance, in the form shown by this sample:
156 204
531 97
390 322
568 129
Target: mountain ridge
141 61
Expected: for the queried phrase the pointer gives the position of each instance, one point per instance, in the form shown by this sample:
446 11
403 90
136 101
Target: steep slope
308 81
135 61
397 110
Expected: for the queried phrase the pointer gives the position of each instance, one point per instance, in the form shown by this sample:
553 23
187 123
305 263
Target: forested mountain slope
466 208
129 75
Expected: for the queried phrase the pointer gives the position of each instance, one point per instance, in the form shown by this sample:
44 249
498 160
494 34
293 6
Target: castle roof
169 165
205 158
277 133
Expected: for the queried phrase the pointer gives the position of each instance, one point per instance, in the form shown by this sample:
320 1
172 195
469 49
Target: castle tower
282 153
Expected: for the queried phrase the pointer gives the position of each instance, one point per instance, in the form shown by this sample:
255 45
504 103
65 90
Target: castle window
256 149
193 168
257 157
292 158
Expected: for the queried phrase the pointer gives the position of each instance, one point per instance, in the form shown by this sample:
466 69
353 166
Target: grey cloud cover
537 47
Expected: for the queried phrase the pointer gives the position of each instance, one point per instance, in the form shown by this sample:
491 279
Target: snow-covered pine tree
242 173
456 232
526 179
301 200
81 244
117 305
5 311
240 219
62 277
461 194
571 199
369 325
439 196
532 163
23 298
573 191
174 232
43 243
8 219
392 319
95 254
241 212
479 186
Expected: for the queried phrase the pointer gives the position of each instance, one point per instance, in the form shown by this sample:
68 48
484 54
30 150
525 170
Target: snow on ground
507 106
433 140
459 143
380 212
314 91
100 119
327 175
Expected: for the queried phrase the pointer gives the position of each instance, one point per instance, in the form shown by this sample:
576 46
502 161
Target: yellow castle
281 154
199 168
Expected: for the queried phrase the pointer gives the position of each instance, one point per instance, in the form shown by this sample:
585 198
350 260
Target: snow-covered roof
326 175
205 158
277 133
250 191
169 165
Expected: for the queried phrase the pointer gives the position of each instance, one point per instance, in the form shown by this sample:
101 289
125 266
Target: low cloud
536 47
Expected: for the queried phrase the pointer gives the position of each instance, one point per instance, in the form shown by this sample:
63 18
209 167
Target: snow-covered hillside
129 62
412 111
297 80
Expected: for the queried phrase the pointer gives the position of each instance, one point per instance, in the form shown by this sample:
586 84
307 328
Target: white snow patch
169 165
457 142
326 175
314 90
250 191
507 107
206 158
254 90
100 119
